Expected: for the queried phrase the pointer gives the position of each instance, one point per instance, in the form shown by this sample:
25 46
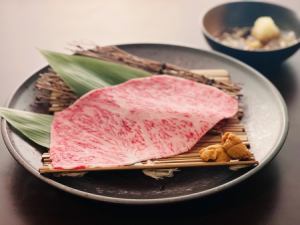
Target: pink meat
141 119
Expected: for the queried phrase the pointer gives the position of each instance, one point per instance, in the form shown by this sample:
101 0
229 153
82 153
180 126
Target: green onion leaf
83 74
34 126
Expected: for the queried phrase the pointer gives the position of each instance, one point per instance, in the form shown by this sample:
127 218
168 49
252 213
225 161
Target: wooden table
270 197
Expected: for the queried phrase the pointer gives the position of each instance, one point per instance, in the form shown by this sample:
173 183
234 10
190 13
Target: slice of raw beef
141 119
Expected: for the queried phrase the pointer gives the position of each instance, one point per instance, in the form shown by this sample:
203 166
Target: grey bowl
240 14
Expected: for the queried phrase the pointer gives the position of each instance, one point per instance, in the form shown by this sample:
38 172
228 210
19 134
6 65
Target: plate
265 120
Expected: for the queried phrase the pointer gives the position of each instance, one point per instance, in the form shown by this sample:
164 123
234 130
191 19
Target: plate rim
275 150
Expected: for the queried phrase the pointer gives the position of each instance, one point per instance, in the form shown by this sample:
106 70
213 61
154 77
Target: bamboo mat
188 159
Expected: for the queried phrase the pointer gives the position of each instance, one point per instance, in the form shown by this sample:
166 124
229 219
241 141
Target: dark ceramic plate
265 119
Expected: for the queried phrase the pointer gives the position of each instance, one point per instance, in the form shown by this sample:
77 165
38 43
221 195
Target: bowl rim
214 39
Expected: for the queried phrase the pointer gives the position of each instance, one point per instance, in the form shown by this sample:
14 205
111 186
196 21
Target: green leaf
35 126
83 74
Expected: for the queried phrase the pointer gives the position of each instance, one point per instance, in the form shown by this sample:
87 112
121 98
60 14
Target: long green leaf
35 126
83 74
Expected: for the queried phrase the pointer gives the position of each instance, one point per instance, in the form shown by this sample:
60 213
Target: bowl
243 14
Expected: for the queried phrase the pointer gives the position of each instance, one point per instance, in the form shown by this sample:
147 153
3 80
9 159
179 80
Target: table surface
270 197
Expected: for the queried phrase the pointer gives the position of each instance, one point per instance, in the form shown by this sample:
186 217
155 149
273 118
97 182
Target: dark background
270 197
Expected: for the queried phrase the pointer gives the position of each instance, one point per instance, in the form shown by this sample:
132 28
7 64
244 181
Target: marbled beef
141 119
